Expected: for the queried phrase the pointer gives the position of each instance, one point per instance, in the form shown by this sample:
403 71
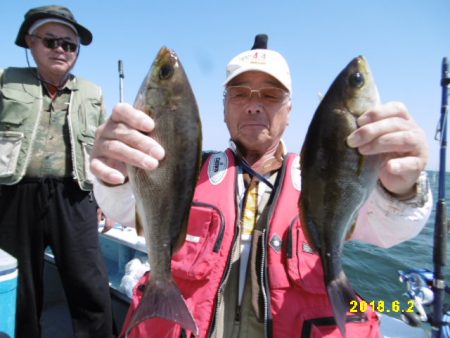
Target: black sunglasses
54 43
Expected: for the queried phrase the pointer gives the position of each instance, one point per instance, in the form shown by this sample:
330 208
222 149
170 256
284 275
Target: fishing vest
297 302
21 105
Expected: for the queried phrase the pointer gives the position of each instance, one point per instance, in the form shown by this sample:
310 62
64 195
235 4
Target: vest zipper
72 141
264 288
224 281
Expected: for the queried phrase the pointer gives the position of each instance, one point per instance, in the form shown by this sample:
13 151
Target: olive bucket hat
49 12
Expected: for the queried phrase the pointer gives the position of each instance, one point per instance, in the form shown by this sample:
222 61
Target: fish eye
165 72
356 80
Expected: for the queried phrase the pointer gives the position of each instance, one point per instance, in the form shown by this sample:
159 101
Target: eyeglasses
54 43
268 95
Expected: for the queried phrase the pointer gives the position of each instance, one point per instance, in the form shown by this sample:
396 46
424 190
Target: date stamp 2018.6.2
382 306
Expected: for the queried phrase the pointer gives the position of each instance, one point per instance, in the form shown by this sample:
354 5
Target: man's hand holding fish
124 138
390 130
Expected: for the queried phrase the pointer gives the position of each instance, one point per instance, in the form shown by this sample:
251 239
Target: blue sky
403 40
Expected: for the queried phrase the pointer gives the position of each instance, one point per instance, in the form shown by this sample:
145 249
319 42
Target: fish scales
337 179
164 195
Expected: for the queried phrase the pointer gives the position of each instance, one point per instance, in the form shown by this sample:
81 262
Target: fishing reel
419 289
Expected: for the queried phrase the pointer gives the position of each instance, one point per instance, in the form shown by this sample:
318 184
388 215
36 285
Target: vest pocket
200 251
10 144
356 326
15 106
303 263
88 116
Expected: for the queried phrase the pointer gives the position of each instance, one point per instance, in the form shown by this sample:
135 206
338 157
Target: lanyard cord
247 168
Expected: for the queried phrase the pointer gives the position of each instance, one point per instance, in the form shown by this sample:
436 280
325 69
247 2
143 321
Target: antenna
121 77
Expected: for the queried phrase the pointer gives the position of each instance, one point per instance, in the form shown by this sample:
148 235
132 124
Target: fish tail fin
163 301
341 294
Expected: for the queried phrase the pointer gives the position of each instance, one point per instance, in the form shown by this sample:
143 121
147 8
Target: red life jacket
294 281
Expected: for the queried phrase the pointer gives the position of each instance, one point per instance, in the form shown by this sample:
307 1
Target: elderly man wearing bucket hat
246 268
48 119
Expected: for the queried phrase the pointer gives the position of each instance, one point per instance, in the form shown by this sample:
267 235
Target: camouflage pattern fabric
52 151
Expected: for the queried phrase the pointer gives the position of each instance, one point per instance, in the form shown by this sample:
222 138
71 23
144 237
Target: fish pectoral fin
361 162
139 228
350 231
341 295
164 300
309 228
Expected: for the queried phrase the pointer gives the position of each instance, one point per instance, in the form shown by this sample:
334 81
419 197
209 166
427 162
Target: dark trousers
37 213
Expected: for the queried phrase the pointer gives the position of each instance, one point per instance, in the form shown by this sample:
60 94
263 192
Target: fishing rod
441 227
121 77
426 288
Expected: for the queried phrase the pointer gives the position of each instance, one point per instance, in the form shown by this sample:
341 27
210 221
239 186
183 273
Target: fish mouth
167 56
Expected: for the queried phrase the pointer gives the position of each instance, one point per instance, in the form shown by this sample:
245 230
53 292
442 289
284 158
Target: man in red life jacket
259 277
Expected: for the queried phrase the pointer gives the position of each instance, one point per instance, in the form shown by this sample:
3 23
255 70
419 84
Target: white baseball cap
262 60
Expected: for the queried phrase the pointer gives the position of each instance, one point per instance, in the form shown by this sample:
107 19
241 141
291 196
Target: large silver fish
164 195
337 179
